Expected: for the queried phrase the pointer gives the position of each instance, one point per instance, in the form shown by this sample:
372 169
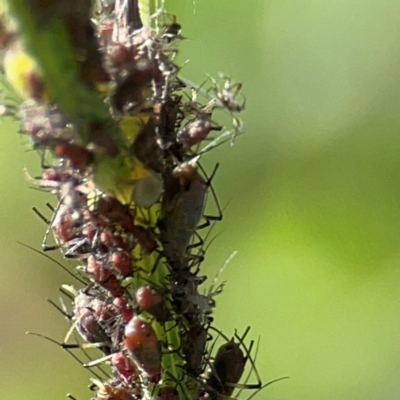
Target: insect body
181 209
143 346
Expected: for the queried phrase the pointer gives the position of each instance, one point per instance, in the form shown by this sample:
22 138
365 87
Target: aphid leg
210 218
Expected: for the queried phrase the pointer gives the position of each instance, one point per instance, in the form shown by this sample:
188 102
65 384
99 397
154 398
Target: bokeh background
313 194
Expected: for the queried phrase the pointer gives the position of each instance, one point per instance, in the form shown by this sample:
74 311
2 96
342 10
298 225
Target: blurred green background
314 204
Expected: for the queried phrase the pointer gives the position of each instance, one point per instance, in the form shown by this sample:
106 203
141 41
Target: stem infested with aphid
120 136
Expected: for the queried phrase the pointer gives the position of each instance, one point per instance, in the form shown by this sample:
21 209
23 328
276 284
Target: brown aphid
226 369
194 349
143 346
181 209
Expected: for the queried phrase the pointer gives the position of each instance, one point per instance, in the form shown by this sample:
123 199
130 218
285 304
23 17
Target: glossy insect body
151 301
181 209
143 346
227 368
103 276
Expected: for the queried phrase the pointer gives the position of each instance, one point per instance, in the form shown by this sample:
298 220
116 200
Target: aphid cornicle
143 346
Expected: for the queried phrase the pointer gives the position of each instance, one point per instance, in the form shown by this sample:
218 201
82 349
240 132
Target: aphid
121 261
122 309
89 328
143 346
227 368
227 94
152 301
194 349
124 367
90 316
195 132
104 276
181 209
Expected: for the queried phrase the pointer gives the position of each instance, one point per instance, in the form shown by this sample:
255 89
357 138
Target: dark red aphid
152 301
121 261
143 346
124 367
104 276
121 307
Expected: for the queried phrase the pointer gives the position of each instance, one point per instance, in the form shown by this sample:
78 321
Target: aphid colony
131 197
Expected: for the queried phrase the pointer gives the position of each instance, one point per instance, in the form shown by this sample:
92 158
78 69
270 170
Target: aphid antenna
79 279
218 274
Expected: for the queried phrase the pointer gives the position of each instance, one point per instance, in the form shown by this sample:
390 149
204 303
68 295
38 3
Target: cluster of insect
137 241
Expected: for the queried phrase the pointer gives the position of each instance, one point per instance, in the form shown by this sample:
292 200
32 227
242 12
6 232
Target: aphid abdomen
143 346
227 368
180 222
